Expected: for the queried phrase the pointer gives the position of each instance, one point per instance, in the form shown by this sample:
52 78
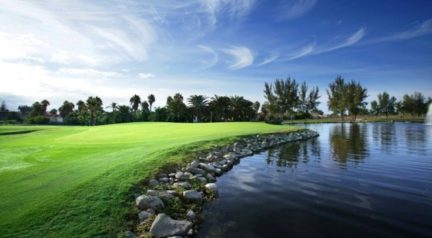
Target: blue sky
69 50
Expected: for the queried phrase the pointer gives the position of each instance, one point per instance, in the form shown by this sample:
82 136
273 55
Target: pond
355 180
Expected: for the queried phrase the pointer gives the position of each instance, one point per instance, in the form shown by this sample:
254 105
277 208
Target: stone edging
182 193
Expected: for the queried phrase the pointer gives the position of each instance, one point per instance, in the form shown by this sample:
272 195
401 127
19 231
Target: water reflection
349 143
291 154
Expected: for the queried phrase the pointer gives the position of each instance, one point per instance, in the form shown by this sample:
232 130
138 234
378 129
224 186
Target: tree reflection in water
291 154
348 143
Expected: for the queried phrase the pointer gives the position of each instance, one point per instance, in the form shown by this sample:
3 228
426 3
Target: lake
354 180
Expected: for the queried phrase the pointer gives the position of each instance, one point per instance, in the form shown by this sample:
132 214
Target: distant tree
160 114
198 104
66 109
374 108
24 110
177 108
308 100
37 110
135 102
94 105
219 108
386 104
241 109
53 112
415 104
44 105
3 107
145 110
113 106
256 106
355 98
151 99
337 96
282 97
124 114
83 113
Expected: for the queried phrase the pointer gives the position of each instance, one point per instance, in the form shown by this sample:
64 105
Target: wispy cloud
235 8
271 58
303 52
213 60
353 39
420 30
146 76
296 8
242 57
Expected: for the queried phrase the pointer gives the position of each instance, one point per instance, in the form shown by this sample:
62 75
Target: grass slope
60 181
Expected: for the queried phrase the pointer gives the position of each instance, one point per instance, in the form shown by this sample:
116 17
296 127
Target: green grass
61 181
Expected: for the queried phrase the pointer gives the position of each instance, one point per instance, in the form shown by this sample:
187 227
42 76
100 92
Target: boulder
185 185
153 183
207 167
143 215
194 170
145 201
165 226
212 187
192 195
210 178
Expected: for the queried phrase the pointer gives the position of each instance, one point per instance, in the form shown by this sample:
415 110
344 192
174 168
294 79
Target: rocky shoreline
172 204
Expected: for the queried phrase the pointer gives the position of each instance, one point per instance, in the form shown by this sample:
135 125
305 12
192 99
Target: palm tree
135 101
219 107
94 105
198 103
151 99
45 103
113 106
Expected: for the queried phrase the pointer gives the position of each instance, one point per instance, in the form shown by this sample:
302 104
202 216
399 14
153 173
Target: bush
37 120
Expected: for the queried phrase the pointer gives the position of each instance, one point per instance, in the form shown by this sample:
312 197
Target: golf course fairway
74 181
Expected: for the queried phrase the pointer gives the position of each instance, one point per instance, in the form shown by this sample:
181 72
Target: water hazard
355 180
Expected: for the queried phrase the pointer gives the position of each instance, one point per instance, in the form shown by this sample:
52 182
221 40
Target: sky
70 50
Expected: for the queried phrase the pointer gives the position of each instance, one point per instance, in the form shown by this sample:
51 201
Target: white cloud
214 59
307 50
146 76
88 72
242 57
296 8
235 8
353 39
420 30
272 57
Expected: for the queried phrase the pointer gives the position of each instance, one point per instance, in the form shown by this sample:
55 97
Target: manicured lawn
64 181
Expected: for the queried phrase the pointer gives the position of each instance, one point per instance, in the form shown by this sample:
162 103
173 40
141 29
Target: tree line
285 99
196 108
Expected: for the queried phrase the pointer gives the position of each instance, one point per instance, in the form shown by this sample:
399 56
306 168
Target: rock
153 183
151 211
172 192
185 185
164 195
194 164
201 179
190 215
181 176
145 201
143 215
152 192
192 195
162 175
196 170
164 180
230 156
165 226
212 187
210 178
207 167
218 172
